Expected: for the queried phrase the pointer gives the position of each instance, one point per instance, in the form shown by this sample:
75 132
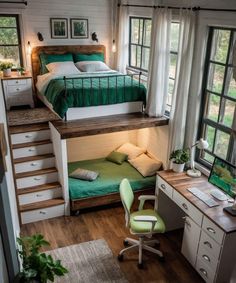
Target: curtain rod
14 2
178 8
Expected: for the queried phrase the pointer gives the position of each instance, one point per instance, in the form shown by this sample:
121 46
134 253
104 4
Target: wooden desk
209 241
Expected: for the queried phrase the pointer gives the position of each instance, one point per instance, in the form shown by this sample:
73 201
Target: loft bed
105 189
76 97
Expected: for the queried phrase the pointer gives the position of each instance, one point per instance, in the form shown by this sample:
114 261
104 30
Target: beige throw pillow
131 150
146 165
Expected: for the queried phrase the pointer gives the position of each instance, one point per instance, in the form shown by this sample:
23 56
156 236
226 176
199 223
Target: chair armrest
143 198
145 218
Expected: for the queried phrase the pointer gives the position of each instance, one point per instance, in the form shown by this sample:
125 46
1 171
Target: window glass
220 46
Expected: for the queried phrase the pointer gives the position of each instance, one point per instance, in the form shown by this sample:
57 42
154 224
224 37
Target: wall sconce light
94 36
113 49
29 48
40 36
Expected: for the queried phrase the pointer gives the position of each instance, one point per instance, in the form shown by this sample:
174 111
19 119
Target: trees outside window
218 111
10 43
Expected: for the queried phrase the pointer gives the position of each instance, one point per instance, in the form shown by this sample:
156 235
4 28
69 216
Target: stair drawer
32 150
35 165
41 214
36 180
30 136
188 208
40 196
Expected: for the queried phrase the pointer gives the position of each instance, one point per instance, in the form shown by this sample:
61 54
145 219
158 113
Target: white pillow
131 150
146 165
63 68
92 66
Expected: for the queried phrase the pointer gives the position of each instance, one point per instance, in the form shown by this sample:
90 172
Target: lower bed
105 189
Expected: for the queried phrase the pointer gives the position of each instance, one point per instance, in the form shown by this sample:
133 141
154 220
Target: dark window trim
18 35
203 121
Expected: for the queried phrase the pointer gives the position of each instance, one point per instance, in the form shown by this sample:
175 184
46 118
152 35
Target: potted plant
179 157
6 68
36 266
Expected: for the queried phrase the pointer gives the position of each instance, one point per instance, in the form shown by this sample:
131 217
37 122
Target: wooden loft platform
107 124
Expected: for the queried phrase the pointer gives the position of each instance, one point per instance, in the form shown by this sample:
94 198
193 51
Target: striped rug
90 262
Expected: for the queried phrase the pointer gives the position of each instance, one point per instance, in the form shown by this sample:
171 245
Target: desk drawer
209 245
165 187
30 136
41 214
17 82
188 208
15 90
213 230
207 258
206 273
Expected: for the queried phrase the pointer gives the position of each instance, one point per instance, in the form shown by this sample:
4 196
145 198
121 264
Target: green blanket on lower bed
93 91
108 181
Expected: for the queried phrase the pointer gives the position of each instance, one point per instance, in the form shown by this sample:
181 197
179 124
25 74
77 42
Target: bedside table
18 90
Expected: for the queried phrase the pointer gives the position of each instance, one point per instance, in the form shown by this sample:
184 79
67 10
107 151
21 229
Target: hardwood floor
109 224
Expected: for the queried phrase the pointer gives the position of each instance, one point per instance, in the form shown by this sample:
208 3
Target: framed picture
59 27
79 28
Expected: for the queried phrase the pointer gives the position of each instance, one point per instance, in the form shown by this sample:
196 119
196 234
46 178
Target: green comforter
108 181
93 91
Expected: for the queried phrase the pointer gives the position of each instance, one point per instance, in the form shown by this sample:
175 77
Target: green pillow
51 58
89 57
117 157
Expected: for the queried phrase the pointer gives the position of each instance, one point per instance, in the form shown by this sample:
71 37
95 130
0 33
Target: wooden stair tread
28 128
41 204
33 158
28 144
36 172
39 188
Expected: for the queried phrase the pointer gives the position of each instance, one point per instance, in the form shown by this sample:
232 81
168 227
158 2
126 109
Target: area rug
90 262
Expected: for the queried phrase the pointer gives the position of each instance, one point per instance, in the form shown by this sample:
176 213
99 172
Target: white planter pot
7 72
178 167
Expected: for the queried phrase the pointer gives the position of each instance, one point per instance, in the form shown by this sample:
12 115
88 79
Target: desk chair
142 223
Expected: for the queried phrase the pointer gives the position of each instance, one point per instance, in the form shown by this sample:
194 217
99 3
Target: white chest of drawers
209 240
18 91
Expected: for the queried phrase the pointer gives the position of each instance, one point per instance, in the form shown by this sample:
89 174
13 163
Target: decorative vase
7 72
178 168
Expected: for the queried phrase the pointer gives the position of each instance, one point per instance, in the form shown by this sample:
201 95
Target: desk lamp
201 144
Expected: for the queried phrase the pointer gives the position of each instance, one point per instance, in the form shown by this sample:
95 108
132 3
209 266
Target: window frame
137 44
204 121
19 45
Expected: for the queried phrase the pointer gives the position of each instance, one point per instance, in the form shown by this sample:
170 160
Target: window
139 42
10 43
174 42
218 123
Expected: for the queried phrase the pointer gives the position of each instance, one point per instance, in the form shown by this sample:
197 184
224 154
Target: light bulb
113 46
29 49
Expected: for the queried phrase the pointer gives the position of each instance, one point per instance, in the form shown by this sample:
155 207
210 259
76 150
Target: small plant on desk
6 68
179 157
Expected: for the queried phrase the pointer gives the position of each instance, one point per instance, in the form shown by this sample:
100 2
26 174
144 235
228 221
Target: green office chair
142 223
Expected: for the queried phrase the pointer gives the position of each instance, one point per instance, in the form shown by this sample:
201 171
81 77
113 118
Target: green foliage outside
36 265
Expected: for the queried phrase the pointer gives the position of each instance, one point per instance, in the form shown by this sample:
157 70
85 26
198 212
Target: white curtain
123 40
159 62
178 114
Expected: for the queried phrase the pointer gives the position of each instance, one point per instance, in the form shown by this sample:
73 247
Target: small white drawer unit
18 91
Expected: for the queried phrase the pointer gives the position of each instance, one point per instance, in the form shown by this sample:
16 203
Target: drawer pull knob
42 212
211 230
28 136
17 89
206 258
203 271
16 82
208 244
163 186
31 149
38 195
37 178
185 206
33 164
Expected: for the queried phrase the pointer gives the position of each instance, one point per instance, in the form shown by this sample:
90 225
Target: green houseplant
36 266
6 68
179 157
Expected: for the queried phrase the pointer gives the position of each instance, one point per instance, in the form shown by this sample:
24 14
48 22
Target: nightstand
18 90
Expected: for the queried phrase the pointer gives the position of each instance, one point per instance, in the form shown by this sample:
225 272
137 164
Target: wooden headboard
61 49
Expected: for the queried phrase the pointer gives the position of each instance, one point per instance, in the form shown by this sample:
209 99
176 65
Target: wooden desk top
181 181
14 76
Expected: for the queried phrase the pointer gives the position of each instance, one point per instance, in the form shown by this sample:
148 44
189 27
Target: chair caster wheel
140 265
161 258
126 243
120 257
